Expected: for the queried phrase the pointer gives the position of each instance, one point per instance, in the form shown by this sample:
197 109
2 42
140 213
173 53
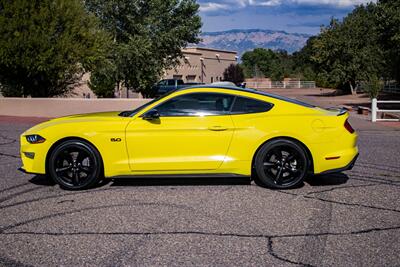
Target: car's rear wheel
75 164
281 164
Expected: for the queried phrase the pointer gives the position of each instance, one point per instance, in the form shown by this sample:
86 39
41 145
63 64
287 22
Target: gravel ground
347 219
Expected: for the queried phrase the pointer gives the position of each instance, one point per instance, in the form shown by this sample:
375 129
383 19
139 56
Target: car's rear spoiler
341 111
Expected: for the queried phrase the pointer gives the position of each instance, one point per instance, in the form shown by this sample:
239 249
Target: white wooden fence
280 84
375 110
391 87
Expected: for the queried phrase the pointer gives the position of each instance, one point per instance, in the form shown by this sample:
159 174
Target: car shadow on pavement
318 180
327 179
179 181
42 180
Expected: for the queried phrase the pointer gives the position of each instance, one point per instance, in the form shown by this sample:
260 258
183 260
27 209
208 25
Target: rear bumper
345 168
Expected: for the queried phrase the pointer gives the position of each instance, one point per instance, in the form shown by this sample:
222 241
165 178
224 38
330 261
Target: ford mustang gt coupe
204 131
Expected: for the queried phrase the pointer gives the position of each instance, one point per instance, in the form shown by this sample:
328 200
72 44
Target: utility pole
202 69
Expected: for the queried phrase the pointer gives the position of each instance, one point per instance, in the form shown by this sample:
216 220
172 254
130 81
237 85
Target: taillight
348 127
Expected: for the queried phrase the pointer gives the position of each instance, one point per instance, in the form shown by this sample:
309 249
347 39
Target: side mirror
151 115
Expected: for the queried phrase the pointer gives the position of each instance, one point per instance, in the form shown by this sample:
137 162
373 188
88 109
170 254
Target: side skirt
211 175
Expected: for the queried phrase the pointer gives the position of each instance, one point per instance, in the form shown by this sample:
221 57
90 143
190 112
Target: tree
373 87
348 51
102 81
303 65
46 46
388 21
234 73
147 38
273 64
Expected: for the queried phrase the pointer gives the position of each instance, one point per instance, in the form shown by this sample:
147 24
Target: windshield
130 113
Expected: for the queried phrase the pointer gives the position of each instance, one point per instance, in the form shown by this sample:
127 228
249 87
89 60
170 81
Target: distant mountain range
245 40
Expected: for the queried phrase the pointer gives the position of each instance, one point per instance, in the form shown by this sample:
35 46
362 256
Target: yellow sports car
204 131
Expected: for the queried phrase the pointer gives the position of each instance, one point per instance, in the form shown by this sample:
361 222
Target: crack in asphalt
11 196
270 238
93 191
9 155
313 248
367 164
387 175
2 229
352 204
378 182
307 196
4 261
10 140
340 187
14 186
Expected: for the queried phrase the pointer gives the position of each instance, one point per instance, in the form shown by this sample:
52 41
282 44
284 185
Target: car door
193 132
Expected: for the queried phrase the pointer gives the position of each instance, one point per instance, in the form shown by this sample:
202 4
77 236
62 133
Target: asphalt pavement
346 219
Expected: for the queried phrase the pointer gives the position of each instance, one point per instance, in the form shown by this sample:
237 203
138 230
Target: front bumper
33 156
24 171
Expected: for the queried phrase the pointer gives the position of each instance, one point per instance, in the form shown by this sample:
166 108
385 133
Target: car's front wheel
281 164
75 164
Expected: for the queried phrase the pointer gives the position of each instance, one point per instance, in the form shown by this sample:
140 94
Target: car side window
196 104
244 105
171 82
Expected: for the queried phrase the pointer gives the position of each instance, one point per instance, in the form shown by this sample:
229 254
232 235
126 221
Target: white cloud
265 3
244 3
235 4
239 4
338 3
210 7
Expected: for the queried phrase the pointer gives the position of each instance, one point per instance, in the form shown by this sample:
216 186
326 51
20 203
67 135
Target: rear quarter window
244 105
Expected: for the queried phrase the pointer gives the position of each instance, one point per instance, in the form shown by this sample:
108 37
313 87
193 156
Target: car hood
96 115
78 118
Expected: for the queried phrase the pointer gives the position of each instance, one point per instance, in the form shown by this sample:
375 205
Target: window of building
197 104
245 105
191 78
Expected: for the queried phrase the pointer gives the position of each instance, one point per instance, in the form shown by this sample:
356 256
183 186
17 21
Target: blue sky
301 16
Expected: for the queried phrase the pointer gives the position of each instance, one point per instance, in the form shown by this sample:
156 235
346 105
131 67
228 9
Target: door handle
217 128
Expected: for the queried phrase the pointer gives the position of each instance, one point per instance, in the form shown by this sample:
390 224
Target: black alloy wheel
281 164
75 164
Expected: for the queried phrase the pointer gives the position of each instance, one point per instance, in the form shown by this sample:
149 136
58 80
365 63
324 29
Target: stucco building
204 65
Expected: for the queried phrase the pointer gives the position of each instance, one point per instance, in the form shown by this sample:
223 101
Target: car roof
249 90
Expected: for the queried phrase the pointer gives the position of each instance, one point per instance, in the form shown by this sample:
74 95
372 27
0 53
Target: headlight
34 139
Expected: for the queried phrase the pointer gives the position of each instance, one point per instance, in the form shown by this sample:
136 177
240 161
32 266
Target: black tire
281 164
75 164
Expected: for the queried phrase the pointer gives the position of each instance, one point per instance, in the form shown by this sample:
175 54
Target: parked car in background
168 85
223 83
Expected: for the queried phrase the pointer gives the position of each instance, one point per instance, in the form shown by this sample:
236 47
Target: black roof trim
253 91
